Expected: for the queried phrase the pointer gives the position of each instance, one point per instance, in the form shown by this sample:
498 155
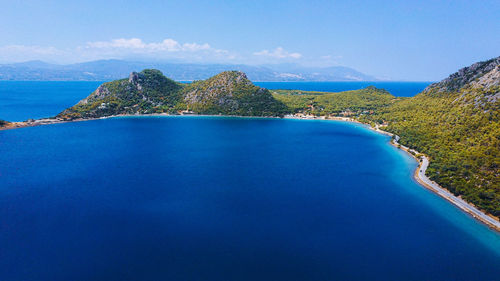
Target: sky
398 40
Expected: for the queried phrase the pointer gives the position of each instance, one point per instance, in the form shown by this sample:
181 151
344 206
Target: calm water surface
198 198
22 100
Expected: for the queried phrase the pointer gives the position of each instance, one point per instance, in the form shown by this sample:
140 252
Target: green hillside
352 103
231 93
456 123
147 92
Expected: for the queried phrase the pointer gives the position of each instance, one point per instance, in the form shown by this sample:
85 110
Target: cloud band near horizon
136 48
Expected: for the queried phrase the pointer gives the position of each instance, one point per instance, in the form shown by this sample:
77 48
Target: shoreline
419 173
420 177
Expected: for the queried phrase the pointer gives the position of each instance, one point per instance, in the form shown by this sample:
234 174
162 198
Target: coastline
419 174
423 180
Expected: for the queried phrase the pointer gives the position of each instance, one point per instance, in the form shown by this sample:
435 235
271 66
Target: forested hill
231 93
145 92
456 123
149 91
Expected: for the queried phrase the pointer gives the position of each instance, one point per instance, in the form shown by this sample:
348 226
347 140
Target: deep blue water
206 198
21 100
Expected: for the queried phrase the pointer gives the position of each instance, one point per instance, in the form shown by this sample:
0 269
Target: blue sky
400 40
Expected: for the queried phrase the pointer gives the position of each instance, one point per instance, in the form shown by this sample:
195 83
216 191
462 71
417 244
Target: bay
215 198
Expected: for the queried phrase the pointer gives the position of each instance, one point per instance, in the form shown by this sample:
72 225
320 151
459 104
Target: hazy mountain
104 70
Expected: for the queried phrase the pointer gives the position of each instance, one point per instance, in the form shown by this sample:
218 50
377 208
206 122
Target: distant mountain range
105 70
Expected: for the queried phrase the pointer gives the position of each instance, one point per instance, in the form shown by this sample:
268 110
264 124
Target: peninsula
452 127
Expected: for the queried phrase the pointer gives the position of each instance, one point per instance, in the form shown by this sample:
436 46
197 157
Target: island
452 127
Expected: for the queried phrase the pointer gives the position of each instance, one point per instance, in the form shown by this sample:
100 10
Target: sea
219 198
22 100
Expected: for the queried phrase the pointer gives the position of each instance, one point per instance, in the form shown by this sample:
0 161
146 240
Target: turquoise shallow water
206 198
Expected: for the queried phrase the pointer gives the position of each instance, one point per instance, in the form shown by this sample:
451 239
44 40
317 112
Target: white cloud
167 45
136 48
121 48
330 57
198 47
278 53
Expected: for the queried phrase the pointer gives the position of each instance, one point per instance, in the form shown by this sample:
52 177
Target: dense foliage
3 123
231 93
349 103
460 132
228 93
456 123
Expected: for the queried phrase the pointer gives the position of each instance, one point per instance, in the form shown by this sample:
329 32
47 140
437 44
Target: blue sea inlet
214 198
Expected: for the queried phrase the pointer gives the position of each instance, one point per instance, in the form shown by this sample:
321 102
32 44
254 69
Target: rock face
490 79
133 77
482 74
478 84
99 93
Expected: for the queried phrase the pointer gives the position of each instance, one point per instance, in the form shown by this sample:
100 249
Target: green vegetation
145 92
231 93
3 123
228 93
456 123
350 103
459 134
